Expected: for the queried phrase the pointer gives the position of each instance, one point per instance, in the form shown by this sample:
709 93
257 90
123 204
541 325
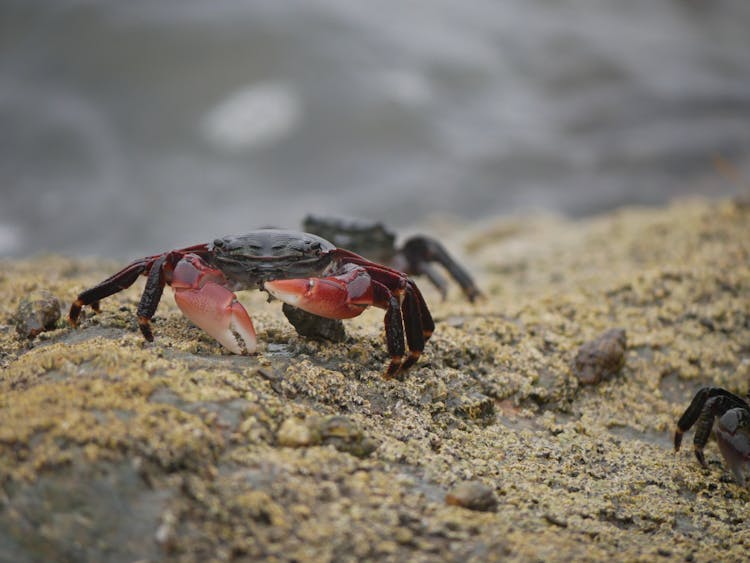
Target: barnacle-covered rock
116 449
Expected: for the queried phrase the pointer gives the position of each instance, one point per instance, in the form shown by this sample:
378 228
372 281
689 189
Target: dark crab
301 269
732 430
415 257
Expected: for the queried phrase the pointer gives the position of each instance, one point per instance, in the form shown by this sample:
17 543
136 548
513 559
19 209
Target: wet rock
38 312
313 326
601 358
473 495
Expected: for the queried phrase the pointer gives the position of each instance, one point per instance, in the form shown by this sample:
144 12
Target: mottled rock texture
113 449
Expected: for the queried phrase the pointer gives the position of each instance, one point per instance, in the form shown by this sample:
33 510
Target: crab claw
212 306
335 297
216 310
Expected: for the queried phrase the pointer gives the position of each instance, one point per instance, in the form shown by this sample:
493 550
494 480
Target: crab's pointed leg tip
75 311
394 368
414 355
677 440
145 327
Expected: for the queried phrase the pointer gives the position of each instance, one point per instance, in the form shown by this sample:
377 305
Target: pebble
338 431
343 434
600 358
473 495
313 326
295 433
37 313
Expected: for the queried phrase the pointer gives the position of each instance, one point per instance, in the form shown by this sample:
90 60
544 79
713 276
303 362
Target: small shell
600 358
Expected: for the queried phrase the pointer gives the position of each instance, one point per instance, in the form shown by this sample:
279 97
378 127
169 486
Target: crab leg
417 320
394 329
119 281
419 251
347 294
390 278
124 279
416 335
707 403
201 296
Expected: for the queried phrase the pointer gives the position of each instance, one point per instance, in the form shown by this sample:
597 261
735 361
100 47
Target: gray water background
131 127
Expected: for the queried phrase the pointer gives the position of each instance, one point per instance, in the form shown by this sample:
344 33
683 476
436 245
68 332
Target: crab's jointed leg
416 317
117 282
707 404
417 254
351 291
200 294
345 296
152 266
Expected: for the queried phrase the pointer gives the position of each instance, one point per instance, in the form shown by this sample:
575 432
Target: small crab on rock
301 269
732 430
415 257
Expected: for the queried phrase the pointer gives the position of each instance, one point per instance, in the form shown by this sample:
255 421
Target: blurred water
132 127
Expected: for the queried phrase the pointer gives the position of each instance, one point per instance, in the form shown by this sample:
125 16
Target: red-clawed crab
301 269
732 431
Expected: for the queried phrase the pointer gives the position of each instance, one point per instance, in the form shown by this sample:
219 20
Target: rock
99 511
337 431
116 450
37 313
313 326
474 406
473 495
600 358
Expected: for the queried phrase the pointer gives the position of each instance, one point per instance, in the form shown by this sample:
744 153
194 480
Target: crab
732 430
415 257
301 269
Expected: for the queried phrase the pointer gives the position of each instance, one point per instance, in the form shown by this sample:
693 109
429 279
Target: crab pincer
201 295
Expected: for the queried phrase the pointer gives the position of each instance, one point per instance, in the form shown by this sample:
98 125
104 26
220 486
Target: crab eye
219 243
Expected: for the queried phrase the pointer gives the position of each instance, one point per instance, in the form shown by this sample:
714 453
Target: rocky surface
119 450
